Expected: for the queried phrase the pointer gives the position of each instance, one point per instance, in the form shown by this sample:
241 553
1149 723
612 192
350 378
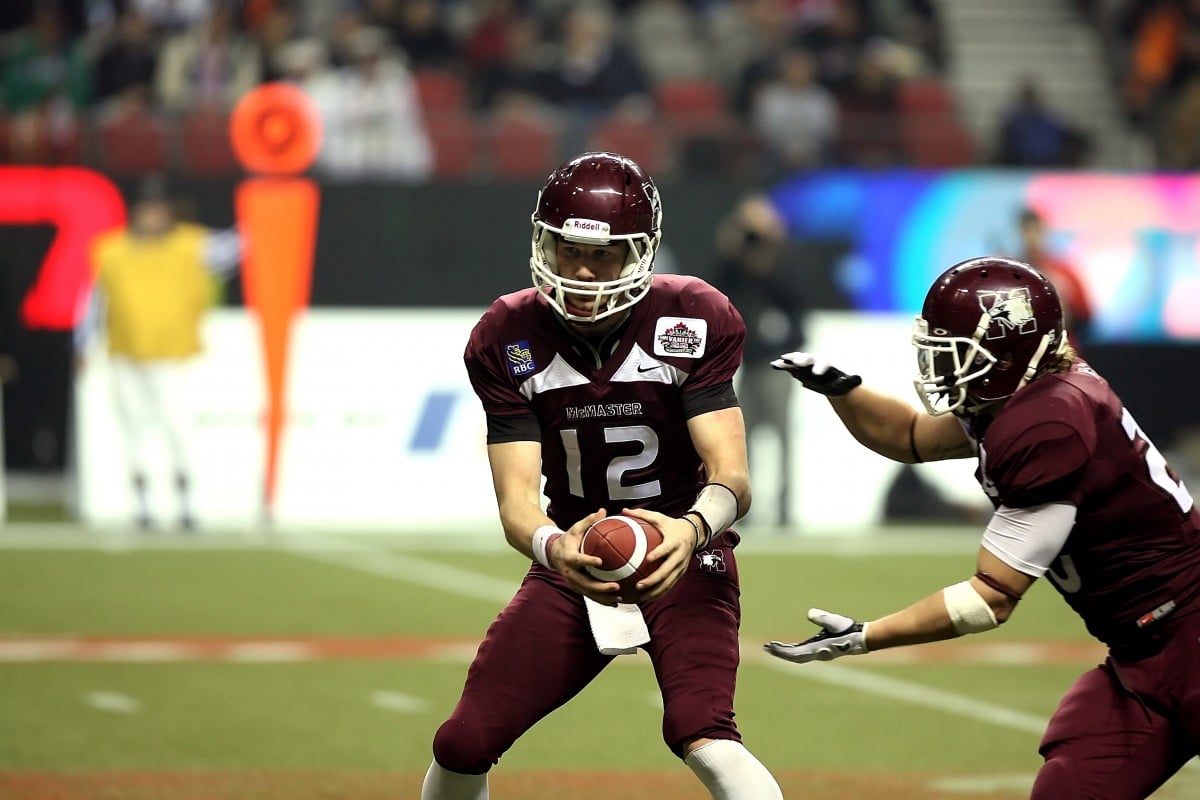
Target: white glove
840 636
817 374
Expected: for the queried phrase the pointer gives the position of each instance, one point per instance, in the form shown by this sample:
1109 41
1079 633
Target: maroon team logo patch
1007 312
712 560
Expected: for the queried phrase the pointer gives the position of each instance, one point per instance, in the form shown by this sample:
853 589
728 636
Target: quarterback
614 386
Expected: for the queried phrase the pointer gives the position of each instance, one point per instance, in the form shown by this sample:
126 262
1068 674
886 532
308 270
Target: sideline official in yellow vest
156 279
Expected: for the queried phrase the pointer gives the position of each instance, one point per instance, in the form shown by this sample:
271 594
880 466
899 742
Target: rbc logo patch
520 358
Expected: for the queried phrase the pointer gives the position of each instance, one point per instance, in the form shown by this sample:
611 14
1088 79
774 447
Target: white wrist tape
542 538
969 612
717 506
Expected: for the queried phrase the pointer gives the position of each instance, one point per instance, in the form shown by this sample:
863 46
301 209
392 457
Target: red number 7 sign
82 204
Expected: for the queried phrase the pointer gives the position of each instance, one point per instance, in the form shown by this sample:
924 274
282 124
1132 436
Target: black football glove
839 636
817 374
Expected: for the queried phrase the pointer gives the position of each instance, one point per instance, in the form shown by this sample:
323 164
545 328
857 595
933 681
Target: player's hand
817 374
569 561
679 540
839 636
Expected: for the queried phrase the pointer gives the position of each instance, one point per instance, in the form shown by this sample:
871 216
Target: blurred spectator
417 28
486 42
915 25
912 498
1180 140
668 40
837 44
746 36
869 113
44 64
156 279
1164 60
592 72
46 84
794 116
305 62
516 75
753 269
208 66
277 27
175 16
1072 293
1164 55
374 127
125 67
1033 135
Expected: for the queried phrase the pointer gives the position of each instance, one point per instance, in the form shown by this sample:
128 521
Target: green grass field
246 666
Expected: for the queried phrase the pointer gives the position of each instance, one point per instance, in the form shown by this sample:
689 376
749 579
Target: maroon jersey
613 416
1136 542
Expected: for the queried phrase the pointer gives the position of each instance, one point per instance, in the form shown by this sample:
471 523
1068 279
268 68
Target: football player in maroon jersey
1081 496
614 386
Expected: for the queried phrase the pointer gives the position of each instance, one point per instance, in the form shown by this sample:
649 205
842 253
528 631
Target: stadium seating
440 91
924 96
645 141
522 147
134 145
204 146
936 141
455 142
693 106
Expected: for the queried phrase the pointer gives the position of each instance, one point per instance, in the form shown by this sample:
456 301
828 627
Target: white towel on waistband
618 630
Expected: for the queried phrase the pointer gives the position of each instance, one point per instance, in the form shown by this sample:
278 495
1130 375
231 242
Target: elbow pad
969 612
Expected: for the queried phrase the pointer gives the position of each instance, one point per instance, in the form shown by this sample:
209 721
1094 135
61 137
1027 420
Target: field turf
231 665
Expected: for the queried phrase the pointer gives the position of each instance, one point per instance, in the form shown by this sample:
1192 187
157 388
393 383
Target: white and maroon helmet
987 326
597 198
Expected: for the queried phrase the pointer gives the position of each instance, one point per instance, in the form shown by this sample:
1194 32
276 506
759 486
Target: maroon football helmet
600 199
986 327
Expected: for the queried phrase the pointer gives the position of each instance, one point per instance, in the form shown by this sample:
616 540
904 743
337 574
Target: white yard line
861 680
398 701
112 702
408 568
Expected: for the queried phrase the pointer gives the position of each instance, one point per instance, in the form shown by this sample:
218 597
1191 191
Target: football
622 544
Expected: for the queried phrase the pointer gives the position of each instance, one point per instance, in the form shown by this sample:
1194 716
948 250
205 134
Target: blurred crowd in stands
412 90
1160 44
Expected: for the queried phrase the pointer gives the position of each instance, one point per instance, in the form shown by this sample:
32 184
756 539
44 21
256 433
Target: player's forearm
926 620
878 421
520 520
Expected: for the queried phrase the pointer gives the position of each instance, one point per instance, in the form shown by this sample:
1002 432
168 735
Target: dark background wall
462 245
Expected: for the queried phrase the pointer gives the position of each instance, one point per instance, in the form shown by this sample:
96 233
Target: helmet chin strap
1035 361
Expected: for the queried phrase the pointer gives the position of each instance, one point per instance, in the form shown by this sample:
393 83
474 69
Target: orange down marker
276 132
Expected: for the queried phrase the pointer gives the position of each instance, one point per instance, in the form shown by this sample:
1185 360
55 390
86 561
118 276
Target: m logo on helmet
1008 311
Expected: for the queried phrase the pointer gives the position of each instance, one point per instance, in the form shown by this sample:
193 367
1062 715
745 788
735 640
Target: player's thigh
1102 742
536 655
694 646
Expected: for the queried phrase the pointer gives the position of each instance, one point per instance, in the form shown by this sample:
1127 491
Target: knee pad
460 748
1058 779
